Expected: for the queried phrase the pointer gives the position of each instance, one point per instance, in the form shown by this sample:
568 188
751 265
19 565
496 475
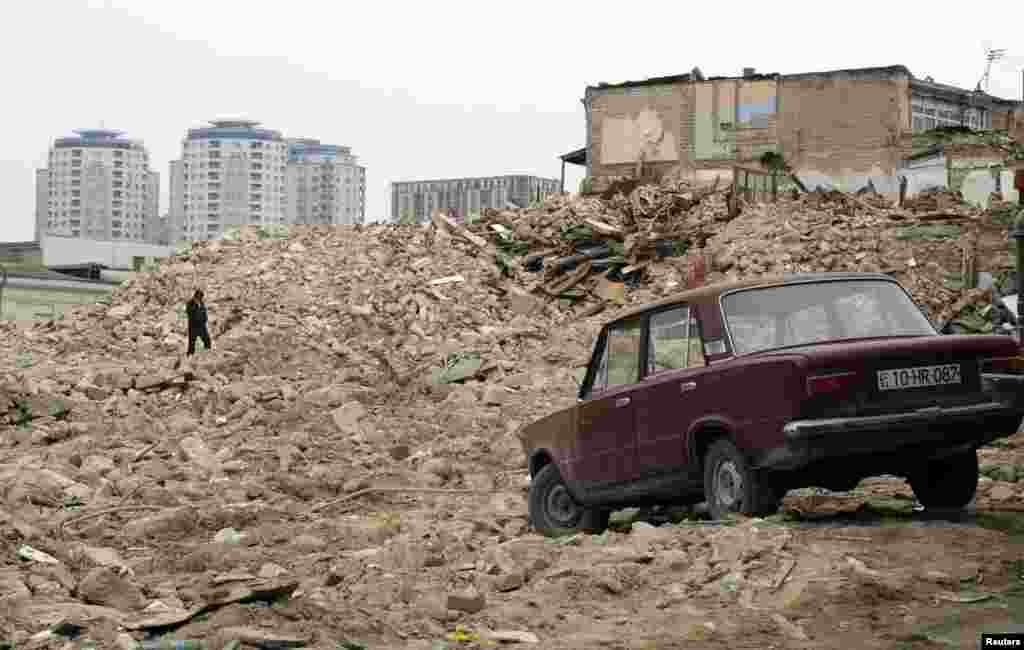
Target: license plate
920 377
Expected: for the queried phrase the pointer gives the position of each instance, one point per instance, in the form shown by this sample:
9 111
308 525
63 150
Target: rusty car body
735 393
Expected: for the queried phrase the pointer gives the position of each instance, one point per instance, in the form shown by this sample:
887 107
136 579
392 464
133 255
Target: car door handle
622 401
687 386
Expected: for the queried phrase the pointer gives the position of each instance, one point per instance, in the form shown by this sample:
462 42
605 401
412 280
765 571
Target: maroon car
736 393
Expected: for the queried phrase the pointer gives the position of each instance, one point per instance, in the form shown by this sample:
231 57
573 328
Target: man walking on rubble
196 310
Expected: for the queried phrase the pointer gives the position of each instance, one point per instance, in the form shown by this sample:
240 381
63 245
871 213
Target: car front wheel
947 483
732 486
554 512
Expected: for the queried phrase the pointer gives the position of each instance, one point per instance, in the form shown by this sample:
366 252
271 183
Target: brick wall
851 125
1002 120
843 124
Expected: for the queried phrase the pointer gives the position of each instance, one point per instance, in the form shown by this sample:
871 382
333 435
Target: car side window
622 354
667 349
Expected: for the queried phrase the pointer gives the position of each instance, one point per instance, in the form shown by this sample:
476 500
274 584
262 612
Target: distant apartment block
415 200
231 173
324 184
98 186
42 202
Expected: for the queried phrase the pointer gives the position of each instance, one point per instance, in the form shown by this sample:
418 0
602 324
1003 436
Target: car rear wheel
554 512
947 483
732 486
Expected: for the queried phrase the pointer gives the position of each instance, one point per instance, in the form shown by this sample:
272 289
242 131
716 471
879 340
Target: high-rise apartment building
325 185
231 173
414 200
42 202
98 186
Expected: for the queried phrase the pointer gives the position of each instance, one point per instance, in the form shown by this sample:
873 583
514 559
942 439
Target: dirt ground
392 570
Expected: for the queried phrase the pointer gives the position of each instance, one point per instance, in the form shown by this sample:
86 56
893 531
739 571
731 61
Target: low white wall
62 251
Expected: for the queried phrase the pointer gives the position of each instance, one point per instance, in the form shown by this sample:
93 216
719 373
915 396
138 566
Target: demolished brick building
837 129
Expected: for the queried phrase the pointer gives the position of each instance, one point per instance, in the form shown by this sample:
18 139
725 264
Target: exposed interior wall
844 130
636 123
732 120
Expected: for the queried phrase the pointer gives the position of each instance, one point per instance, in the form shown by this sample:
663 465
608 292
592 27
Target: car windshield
817 312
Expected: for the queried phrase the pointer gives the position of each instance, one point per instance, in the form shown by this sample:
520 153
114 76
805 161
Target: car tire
732 486
553 511
947 483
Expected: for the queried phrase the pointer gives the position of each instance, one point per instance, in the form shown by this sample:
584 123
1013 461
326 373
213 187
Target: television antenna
990 56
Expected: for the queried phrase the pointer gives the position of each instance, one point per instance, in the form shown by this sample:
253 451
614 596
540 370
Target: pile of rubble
590 252
593 249
936 200
341 467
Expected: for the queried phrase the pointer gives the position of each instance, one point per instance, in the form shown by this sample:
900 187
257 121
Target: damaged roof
688 77
876 71
942 89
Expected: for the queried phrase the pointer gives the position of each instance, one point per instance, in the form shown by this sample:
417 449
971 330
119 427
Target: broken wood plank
448 280
604 228
444 221
404 490
264 638
635 267
571 279
783 575
942 216
592 310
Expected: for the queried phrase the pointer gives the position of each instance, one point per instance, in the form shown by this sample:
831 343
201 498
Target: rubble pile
937 200
343 359
341 468
587 249
592 252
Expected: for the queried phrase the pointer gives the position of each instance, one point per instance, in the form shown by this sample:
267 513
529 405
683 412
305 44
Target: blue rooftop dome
109 138
308 148
235 130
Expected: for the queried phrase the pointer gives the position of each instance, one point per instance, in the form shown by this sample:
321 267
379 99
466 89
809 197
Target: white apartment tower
42 202
98 186
325 185
231 173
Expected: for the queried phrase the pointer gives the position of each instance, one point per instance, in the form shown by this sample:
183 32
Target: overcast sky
424 90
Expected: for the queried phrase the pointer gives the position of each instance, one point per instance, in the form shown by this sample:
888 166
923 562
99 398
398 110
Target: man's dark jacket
196 316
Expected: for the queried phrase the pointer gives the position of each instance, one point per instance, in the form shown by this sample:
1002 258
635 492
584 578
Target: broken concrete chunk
347 417
494 395
270 570
196 451
104 557
104 586
510 581
12 587
27 552
513 636
262 638
176 521
468 600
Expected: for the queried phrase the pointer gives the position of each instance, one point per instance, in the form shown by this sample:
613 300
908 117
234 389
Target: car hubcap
728 485
561 506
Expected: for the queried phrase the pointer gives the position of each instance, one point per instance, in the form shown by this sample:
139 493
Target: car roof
712 291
